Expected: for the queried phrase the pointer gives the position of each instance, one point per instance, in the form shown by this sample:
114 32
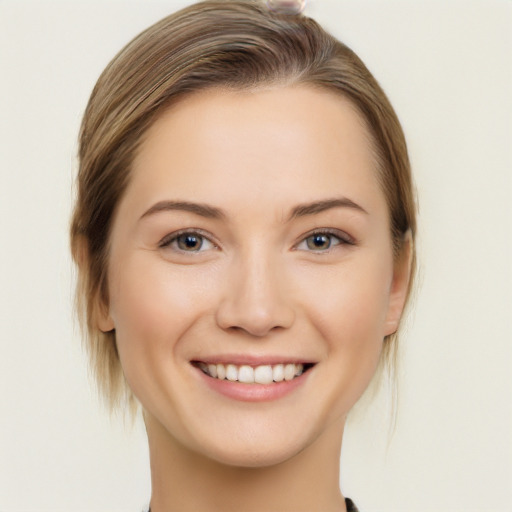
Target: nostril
239 319
256 330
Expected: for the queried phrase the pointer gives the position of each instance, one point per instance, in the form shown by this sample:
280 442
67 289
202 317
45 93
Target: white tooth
278 372
203 367
246 374
263 374
289 371
231 372
221 372
299 369
212 370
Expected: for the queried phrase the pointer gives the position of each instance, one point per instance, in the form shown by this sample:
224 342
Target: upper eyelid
338 233
167 239
343 240
342 235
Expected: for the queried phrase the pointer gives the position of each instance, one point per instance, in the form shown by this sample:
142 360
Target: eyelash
341 237
172 238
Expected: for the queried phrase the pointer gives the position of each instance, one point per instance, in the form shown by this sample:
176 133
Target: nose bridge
255 298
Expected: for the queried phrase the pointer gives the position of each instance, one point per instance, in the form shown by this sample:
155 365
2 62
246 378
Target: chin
255 443
255 454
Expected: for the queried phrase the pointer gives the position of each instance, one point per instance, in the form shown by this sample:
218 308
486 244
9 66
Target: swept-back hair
234 44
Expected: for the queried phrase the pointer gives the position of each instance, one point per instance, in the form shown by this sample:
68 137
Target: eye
322 241
187 241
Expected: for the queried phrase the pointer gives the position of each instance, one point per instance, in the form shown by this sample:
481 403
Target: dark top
351 506
348 502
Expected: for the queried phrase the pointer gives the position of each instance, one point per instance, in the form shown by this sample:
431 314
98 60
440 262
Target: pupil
188 242
320 242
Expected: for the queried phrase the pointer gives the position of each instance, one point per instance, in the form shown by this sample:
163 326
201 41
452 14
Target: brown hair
234 44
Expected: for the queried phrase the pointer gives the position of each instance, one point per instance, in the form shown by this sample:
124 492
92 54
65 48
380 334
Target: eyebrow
212 212
203 210
320 206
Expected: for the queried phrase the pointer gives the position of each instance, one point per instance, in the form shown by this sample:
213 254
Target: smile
246 374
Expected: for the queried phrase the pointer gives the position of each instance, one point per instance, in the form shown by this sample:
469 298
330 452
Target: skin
258 286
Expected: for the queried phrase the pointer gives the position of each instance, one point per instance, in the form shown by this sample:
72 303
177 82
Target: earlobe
104 320
400 285
101 317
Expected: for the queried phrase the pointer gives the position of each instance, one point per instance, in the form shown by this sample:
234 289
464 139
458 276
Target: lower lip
253 392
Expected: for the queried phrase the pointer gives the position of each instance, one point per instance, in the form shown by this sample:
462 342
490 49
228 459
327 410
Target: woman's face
252 240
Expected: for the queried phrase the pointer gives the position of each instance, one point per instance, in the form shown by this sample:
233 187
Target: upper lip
252 360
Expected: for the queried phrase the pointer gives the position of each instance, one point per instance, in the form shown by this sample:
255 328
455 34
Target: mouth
265 374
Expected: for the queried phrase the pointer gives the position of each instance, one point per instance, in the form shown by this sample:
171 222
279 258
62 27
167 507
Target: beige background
447 67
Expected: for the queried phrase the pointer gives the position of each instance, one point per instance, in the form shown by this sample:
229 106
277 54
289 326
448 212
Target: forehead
266 146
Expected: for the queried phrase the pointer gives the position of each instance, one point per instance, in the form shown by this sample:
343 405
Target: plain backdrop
447 68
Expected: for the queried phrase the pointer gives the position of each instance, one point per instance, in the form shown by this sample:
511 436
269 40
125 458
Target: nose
255 298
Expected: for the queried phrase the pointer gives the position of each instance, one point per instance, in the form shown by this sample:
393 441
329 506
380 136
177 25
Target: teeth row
247 374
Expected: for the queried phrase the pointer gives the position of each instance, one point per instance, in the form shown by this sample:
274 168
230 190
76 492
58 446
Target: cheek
350 302
349 312
348 309
153 305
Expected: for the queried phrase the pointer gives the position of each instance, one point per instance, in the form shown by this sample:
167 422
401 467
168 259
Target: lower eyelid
171 240
336 239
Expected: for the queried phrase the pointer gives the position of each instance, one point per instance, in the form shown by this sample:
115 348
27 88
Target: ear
100 311
400 285
101 315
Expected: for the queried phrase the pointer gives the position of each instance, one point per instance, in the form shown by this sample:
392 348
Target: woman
244 233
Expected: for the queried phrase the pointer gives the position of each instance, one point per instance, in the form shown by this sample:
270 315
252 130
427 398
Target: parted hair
229 44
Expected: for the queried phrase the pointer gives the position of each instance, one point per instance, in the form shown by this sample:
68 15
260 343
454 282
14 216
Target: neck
185 480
